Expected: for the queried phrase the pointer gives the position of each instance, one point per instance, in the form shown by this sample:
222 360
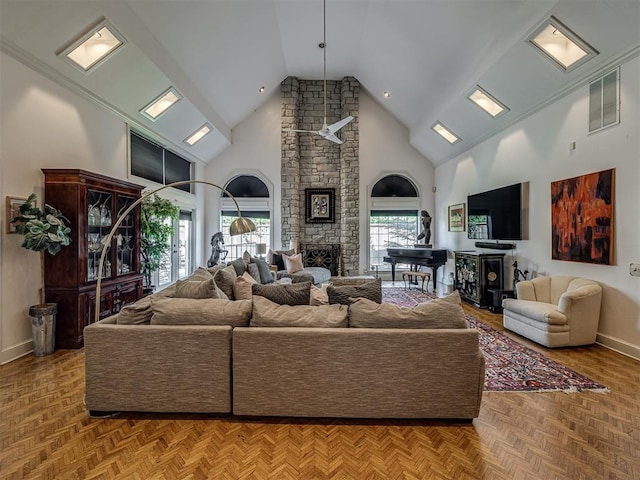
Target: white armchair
557 311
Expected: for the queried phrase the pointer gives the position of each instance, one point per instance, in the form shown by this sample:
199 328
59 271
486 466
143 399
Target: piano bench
413 277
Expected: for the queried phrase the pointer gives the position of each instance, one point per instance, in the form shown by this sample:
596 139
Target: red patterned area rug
510 366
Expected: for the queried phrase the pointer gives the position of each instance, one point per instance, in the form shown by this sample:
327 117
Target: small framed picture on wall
320 205
13 210
456 217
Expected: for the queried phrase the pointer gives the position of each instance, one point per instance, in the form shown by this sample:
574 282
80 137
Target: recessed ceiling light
487 102
160 104
93 47
561 45
447 134
261 89
386 94
198 134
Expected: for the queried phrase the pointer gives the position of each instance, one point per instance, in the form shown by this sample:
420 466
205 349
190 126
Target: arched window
252 195
394 217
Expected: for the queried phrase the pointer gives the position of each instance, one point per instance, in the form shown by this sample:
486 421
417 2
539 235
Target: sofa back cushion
242 286
138 313
189 311
285 294
346 294
224 279
438 313
270 314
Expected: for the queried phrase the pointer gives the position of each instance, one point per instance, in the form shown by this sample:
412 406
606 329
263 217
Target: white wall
537 150
384 148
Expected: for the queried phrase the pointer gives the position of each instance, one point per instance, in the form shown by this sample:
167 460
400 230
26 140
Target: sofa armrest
158 368
583 300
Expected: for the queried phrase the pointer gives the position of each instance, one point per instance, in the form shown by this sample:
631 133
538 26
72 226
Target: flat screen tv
496 214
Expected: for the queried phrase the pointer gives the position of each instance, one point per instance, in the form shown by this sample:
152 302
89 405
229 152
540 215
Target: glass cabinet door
99 218
125 238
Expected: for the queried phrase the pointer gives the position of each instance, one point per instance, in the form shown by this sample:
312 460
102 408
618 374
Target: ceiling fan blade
301 131
333 138
333 128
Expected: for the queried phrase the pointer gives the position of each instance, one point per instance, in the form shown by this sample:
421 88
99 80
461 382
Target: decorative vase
43 326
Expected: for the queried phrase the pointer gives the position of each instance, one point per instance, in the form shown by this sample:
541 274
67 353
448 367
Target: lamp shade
241 225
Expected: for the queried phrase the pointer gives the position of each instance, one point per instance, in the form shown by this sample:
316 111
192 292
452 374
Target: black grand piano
418 256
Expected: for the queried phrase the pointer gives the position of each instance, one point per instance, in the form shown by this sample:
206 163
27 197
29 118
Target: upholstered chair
556 311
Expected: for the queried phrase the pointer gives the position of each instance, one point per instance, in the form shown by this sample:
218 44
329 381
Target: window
394 219
604 107
252 195
155 163
389 229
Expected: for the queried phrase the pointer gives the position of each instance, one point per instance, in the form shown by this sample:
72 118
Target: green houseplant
155 234
44 230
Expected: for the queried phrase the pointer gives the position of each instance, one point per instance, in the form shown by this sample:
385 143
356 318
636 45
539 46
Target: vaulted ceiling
217 54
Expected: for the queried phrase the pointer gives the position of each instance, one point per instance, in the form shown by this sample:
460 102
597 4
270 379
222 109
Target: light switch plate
634 269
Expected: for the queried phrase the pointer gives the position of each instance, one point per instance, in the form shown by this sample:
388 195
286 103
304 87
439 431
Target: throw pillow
293 263
198 289
282 294
242 287
269 314
346 294
271 253
224 279
435 314
252 269
263 269
138 313
318 296
239 266
200 274
215 268
211 311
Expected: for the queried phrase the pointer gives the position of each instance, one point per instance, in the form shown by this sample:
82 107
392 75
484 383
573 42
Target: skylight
161 103
94 47
198 134
487 102
561 45
443 131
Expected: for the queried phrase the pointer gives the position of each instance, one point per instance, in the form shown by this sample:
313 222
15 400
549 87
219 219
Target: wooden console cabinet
92 203
476 274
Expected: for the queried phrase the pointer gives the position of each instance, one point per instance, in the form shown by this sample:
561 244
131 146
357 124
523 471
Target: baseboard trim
16 351
619 346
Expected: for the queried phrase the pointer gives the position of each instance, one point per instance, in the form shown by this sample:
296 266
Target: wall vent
604 101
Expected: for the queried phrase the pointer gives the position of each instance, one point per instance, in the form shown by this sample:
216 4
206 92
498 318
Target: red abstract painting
582 218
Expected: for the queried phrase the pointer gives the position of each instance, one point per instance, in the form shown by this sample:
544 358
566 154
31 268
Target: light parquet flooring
45 433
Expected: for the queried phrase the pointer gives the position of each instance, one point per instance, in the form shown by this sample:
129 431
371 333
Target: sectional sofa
255 357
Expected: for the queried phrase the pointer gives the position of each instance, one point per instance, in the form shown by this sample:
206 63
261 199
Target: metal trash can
43 326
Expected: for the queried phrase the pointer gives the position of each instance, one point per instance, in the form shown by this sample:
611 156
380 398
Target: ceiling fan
327 131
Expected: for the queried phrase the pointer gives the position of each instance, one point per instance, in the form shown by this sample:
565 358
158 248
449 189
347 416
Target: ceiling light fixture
161 104
93 47
386 94
198 134
558 43
487 102
444 132
261 89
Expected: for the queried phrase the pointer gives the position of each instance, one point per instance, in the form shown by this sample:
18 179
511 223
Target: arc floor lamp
239 226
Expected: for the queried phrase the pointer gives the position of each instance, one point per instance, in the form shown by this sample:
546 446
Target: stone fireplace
310 161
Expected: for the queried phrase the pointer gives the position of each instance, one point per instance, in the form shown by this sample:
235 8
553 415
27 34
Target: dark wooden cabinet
476 274
92 203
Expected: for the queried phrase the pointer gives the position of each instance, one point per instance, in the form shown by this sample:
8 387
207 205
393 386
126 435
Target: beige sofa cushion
224 279
138 313
269 314
318 296
242 286
438 313
198 289
189 311
285 294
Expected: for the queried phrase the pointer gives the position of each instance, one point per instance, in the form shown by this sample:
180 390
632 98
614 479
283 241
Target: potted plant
44 230
155 234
